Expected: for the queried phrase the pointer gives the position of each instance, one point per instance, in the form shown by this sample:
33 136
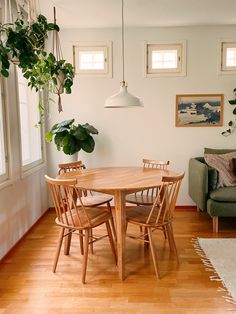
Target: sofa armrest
198 182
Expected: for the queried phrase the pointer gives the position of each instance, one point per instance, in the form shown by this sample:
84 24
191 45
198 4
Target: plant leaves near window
231 124
22 43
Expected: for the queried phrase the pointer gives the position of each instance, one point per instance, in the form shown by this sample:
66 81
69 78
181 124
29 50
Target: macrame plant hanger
57 52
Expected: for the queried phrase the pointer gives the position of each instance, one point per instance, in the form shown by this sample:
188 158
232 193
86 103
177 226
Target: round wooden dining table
118 181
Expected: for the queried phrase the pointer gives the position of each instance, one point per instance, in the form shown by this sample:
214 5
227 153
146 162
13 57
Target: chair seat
96 216
95 200
139 215
140 199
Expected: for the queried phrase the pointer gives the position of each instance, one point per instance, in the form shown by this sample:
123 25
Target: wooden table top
118 178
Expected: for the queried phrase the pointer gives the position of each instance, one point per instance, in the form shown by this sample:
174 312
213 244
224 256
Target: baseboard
24 235
182 208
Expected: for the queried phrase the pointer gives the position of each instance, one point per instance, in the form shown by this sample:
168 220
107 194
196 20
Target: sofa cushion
221 209
226 194
218 150
224 165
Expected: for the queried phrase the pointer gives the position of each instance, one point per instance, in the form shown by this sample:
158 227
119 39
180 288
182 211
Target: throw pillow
223 163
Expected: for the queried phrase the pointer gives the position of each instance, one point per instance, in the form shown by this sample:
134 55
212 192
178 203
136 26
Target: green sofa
218 202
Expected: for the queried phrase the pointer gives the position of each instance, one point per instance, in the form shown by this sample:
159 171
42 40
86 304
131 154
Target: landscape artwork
199 110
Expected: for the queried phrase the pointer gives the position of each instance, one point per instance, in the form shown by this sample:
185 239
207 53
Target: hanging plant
22 42
231 123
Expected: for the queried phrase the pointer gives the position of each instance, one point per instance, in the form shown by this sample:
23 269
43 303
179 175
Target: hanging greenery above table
23 43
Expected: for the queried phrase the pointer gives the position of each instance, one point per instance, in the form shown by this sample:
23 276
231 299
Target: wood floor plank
27 284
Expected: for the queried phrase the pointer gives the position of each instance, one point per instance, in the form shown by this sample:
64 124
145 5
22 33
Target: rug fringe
209 267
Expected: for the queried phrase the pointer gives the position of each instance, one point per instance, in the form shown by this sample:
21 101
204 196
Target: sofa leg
215 224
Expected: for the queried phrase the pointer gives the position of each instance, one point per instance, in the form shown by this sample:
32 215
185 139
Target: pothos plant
71 138
231 123
23 42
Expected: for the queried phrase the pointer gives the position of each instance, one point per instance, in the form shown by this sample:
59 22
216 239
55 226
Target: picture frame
194 110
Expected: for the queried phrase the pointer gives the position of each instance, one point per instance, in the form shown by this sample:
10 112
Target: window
3 149
93 59
228 57
165 59
31 140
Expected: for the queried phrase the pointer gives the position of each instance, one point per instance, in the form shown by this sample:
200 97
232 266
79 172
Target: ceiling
146 13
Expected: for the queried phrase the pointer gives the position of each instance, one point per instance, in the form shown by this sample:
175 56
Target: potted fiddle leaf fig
71 138
231 123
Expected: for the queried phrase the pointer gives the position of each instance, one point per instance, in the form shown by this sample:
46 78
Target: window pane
29 117
91 60
231 57
164 59
2 146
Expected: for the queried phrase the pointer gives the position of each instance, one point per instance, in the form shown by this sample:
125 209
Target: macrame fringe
209 267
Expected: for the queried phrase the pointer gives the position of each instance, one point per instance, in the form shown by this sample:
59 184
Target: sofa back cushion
223 163
218 151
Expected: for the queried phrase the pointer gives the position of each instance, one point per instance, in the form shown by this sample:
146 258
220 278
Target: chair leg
112 222
170 234
146 243
58 249
67 242
85 259
91 236
154 255
81 242
164 231
113 248
215 222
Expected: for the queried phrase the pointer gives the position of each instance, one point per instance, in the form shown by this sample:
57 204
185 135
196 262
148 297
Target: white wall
23 198
127 135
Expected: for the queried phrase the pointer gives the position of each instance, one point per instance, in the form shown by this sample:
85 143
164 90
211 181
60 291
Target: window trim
222 68
108 72
6 176
37 163
179 71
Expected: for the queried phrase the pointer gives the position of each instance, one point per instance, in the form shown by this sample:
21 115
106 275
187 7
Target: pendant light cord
123 44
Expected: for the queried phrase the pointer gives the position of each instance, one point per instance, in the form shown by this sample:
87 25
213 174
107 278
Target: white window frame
223 45
37 163
180 46
106 47
4 177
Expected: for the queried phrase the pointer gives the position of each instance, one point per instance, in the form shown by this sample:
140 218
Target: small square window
165 59
93 59
228 57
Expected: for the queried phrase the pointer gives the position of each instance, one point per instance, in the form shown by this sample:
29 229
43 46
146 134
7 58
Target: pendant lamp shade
123 98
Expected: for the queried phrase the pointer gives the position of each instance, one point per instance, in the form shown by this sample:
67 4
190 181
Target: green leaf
232 102
90 129
230 123
234 111
60 129
70 145
59 138
4 73
88 145
48 137
80 133
65 123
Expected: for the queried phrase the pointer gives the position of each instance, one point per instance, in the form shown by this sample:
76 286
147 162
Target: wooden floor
27 284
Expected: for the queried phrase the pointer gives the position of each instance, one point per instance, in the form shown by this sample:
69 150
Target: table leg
120 229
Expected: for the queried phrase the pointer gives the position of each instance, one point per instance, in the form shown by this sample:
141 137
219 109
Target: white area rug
219 255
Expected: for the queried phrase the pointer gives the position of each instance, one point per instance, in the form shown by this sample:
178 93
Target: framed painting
199 110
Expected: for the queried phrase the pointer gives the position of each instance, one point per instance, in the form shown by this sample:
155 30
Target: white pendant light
123 98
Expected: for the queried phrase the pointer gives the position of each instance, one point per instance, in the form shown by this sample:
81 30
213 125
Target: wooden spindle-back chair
72 217
148 196
159 215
